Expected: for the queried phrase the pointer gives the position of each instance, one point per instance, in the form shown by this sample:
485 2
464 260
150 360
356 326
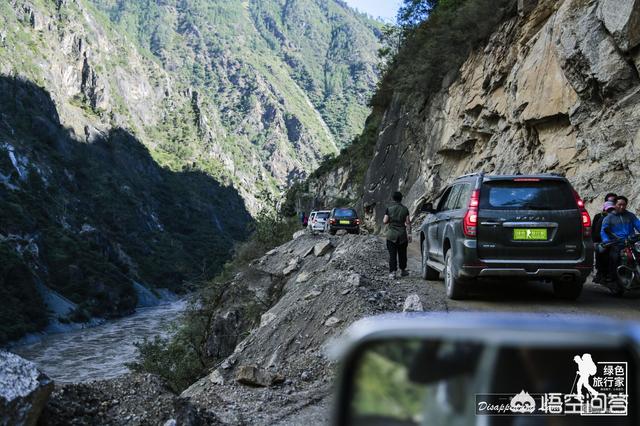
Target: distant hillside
170 120
505 87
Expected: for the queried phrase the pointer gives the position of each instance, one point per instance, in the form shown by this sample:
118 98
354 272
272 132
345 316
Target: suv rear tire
455 286
567 290
428 273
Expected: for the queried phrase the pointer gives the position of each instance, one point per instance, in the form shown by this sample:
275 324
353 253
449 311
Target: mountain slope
146 132
553 88
82 226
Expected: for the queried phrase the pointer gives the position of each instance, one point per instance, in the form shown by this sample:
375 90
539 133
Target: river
99 352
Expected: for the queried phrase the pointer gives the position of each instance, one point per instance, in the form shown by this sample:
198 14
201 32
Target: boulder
266 319
299 234
24 390
312 294
331 321
216 377
322 248
341 232
412 304
303 277
291 267
252 375
223 333
622 19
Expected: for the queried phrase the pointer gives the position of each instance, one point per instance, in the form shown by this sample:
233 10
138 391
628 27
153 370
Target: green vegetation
432 40
21 309
333 63
435 38
383 387
182 359
261 72
91 218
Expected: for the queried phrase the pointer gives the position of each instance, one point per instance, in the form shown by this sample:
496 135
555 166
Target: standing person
398 235
618 225
602 254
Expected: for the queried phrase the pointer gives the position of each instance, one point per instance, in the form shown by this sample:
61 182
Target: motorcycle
628 271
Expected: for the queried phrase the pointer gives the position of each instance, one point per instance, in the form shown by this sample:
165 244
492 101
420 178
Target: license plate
534 234
345 222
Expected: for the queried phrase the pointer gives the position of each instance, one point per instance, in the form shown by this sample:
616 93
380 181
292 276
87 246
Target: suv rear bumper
473 267
347 227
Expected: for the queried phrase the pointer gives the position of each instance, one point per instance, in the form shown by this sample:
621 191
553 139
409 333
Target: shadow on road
523 296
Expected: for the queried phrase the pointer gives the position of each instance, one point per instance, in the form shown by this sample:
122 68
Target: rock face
24 390
554 89
135 138
263 108
622 20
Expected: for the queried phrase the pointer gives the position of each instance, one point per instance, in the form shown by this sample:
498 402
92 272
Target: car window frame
452 199
460 202
443 199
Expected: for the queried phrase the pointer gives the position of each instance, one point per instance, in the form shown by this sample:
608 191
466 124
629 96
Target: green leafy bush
181 358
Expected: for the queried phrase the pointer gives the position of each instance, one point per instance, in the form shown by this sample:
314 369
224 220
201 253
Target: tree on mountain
414 12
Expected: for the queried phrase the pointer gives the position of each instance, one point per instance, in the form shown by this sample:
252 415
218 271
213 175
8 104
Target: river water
100 352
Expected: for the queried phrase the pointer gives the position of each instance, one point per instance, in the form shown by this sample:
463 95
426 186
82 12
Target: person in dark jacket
618 225
602 255
398 235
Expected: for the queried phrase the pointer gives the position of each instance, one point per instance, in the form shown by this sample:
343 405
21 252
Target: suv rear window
322 215
345 213
513 195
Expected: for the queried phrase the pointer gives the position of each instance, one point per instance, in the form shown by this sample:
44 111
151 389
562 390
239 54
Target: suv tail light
470 222
586 219
332 221
357 221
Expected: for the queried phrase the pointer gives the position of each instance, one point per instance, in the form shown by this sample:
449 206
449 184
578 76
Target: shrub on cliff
21 308
435 39
182 359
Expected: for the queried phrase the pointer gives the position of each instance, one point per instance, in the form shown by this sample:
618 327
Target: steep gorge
555 88
137 138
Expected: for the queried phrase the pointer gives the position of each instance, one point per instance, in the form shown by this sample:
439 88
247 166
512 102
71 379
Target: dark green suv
343 218
510 227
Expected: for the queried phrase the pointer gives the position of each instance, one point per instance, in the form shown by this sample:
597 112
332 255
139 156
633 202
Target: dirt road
324 284
505 296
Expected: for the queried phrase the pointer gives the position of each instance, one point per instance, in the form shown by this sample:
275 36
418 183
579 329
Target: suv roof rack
469 175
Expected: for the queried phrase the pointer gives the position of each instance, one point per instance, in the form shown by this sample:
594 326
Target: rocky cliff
136 138
253 93
555 88
85 227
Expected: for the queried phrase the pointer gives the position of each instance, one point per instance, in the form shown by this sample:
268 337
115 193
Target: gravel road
322 294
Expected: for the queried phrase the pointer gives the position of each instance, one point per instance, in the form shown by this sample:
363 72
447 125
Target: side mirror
433 369
427 208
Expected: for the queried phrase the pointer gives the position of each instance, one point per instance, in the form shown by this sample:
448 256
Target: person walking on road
398 235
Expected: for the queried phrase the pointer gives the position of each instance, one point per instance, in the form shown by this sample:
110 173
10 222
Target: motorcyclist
602 254
616 227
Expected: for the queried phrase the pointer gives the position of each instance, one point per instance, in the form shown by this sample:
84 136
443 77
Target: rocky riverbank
279 371
280 368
